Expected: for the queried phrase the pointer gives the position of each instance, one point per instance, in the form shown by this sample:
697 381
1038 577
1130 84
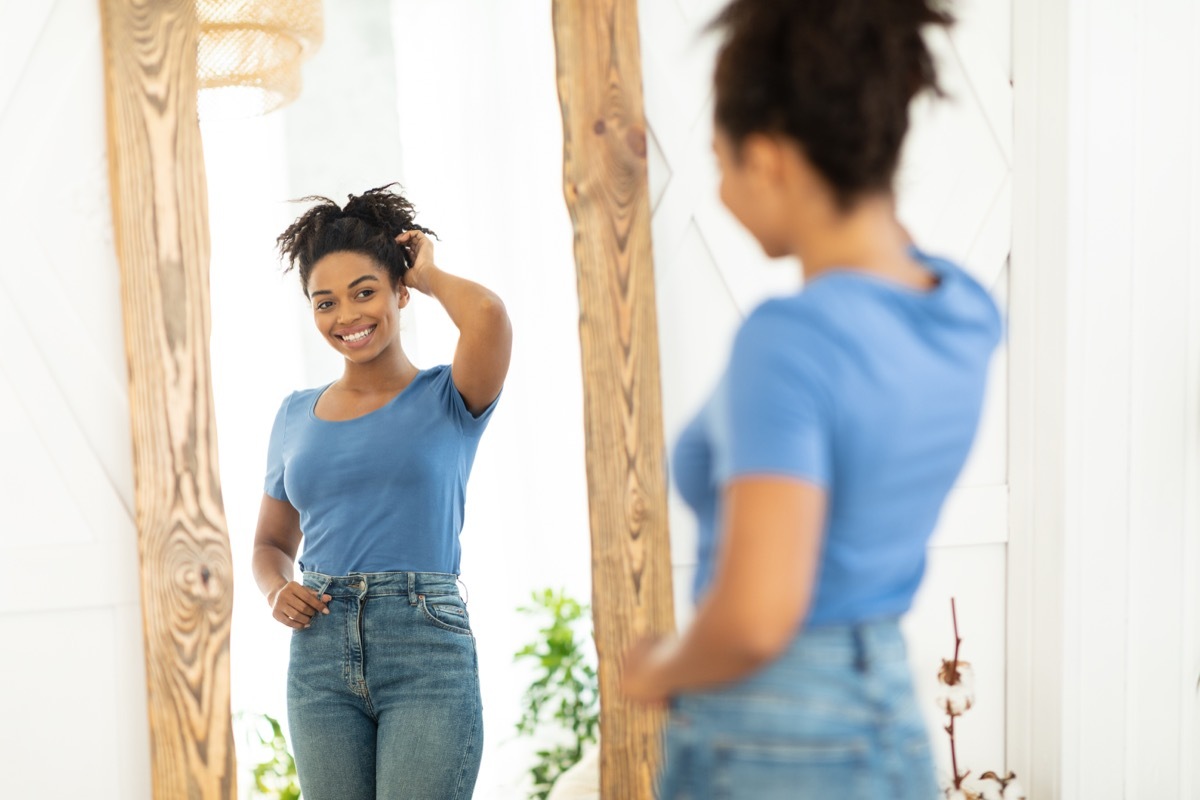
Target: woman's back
869 389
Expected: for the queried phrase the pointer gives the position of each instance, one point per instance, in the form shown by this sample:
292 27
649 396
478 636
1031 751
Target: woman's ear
402 295
763 158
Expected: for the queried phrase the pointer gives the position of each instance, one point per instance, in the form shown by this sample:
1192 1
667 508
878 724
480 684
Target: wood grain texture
159 202
607 193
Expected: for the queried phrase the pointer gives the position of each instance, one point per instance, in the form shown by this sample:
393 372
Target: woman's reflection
370 472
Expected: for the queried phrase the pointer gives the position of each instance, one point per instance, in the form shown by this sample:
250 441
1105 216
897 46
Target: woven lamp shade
250 52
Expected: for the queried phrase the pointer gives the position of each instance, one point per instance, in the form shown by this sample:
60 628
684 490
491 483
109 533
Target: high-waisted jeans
834 718
383 692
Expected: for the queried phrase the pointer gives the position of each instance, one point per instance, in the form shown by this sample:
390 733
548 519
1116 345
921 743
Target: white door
955 197
72 678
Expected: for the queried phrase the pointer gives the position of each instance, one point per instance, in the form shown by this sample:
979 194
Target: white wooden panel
990 27
78 684
1106 455
1190 563
953 180
1103 565
103 574
72 470
30 484
1037 376
19 35
696 313
987 463
973 515
1166 137
67 541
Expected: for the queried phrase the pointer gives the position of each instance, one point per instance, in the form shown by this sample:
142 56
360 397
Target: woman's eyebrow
353 283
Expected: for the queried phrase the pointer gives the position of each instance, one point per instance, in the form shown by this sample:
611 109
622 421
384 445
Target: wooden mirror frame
160 220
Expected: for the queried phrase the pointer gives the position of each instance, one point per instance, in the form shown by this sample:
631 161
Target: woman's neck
869 238
388 372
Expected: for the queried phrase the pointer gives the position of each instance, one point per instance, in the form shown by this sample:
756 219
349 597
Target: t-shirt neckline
312 407
934 265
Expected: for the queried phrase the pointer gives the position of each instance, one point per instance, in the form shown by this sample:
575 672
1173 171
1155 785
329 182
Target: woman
370 472
818 467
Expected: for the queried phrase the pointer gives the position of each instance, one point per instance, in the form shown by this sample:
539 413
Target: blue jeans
834 718
383 692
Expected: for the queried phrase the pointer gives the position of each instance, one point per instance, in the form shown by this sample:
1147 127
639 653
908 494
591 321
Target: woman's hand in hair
484 331
420 248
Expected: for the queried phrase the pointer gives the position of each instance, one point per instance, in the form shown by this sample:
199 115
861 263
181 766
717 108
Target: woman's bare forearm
273 568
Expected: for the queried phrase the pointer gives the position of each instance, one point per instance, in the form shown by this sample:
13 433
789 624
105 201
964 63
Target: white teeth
358 337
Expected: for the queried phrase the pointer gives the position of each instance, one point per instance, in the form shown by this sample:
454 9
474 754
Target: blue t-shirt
382 492
868 389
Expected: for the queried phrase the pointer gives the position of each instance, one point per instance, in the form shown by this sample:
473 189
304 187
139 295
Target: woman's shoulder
434 379
299 399
434 373
795 318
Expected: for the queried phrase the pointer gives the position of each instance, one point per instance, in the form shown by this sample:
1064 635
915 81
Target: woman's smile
356 337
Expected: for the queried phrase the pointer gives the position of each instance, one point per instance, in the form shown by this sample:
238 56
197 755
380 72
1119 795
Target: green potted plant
271 765
563 701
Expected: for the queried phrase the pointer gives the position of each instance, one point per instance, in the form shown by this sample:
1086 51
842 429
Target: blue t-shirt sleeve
778 408
274 482
454 404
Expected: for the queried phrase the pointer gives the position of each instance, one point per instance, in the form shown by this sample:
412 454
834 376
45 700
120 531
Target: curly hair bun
369 224
837 76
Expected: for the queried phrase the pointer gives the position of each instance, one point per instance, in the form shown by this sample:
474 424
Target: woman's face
751 189
355 305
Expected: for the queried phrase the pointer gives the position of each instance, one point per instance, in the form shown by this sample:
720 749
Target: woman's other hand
295 605
641 676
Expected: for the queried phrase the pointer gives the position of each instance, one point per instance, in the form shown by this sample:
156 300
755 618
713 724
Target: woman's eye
324 304
365 293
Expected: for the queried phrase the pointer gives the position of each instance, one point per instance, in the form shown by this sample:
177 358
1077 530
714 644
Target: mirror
457 102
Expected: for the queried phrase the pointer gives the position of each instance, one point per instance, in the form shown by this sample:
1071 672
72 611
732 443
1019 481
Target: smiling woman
373 469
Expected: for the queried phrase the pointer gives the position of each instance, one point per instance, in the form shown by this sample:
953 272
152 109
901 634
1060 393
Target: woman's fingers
296 605
282 615
417 242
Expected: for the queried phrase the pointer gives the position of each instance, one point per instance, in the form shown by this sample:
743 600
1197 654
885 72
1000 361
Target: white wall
1106 547
72 676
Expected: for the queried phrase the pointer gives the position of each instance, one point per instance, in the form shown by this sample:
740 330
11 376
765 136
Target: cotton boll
955 700
1013 790
986 788
957 689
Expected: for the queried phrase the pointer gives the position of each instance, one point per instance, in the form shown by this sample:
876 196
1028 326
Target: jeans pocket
766 770
447 612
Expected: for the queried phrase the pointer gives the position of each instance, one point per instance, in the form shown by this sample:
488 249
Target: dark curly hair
836 76
368 224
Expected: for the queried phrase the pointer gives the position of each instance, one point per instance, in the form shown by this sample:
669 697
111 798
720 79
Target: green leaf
564 655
